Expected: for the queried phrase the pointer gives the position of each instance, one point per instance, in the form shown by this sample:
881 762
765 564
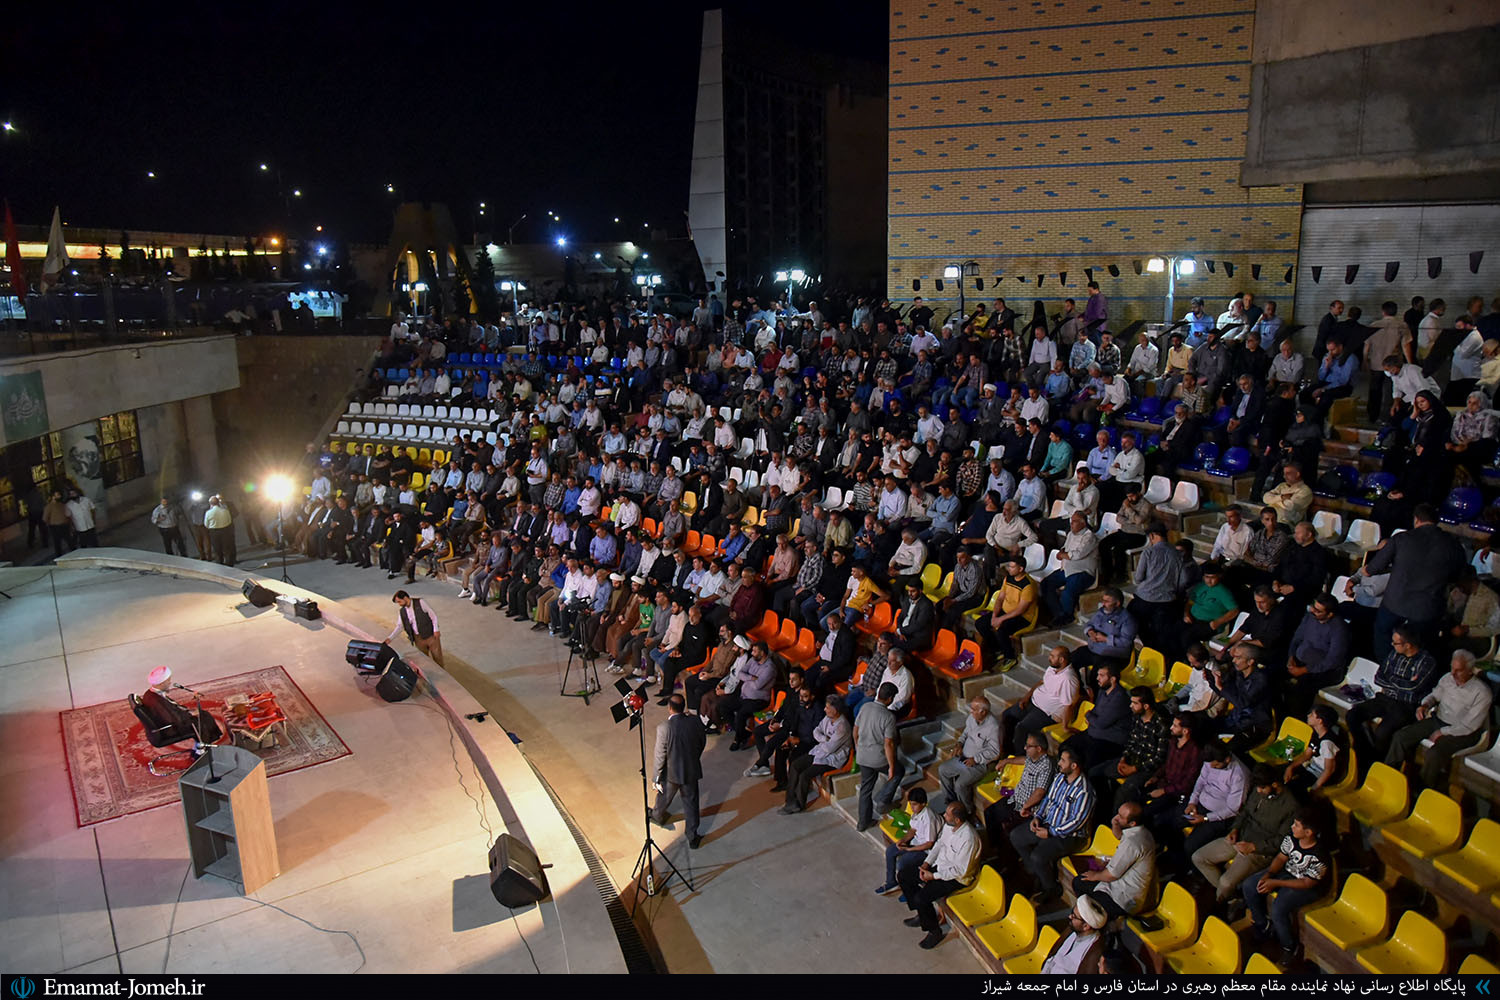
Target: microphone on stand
213 778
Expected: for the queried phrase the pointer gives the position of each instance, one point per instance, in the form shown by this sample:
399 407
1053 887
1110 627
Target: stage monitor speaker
307 609
516 876
398 681
368 656
258 595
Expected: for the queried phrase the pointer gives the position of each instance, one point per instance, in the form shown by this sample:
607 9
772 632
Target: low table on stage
255 721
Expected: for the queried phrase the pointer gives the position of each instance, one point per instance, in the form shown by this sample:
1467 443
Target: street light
957 272
1175 267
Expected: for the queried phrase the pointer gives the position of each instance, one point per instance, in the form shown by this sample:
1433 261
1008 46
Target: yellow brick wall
1048 137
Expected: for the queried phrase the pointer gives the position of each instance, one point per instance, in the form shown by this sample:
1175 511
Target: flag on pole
57 253
13 257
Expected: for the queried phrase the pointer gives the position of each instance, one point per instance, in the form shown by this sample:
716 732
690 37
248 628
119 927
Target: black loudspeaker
307 609
258 595
368 657
516 876
398 681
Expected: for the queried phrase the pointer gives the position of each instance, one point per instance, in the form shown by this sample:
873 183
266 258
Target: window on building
120 448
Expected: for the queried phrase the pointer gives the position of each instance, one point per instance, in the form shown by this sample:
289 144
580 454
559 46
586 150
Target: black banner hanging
1474 259
1434 266
1392 268
1317 273
1349 273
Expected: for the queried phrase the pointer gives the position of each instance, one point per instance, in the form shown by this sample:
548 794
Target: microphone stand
213 779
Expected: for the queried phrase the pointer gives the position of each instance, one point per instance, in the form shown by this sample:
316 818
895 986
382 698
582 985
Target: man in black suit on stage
677 766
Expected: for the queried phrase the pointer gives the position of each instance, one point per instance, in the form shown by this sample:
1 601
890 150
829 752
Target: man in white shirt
420 623
1454 716
1127 468
1233 538
1431 326
1078 568
928 425
1407 381
81 512
911 850
321 487
1287 365
1468 358
906 563
946 869
1009 532
1035 407
1128 882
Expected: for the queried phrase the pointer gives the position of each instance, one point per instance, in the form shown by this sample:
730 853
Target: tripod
589 662
644 872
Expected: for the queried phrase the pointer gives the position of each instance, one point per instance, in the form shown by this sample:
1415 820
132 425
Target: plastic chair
1178 911
1236 461
1476 965
805 652
1204 456
1215 953
1363 535
1434 827
1036 557
1361 674
1379 800
1060 733
1177 679
1476 865
1158 490
1259 965
942 590
879 621
1030 963
944 649
769 626
1015 935
1418 947
1103 845
989 606
1329 527
1184 499
1108 525
931 574
785 638
1462 505
982 902
1359 916
1149 668
1291 728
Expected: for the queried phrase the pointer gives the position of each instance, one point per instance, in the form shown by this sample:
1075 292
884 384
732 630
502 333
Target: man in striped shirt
1059 827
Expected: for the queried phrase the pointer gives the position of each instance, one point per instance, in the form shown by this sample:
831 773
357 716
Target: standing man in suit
677 767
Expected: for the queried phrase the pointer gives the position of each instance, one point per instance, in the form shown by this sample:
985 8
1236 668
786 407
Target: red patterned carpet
107 751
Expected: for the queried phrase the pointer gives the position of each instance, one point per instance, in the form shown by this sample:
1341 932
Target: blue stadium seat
1204 456
1064 426
1462 505
1148 410
1221 417
1082 437
1002 390
1236 461
1153 442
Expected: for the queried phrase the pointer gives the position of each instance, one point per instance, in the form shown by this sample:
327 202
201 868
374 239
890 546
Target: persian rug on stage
107 752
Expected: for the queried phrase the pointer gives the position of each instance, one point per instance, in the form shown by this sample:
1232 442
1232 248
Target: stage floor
772 892
384 843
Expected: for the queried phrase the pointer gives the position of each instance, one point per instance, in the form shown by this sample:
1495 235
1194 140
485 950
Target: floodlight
1156 265
1187 266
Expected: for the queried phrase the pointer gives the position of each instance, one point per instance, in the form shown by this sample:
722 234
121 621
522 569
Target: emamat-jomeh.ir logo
34 988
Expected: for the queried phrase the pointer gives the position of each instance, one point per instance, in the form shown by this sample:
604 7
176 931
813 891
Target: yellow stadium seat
1476 965
1358 917
1379 800
1476 865
1059 732
1260 965
988 789
1417 948
896 825
1215 953
752 516
1103 845
1149 669
1291 728
1348 782
1434 827
1175 681
1015 935
689 503
418 480
932 573
989 606
1178 912
1030 963
982 902
942 590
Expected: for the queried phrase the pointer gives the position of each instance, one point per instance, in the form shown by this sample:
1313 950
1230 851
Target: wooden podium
229 828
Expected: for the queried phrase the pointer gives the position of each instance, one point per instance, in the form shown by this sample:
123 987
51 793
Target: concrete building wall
1073 135
84 385
1382 89
289 387
857 136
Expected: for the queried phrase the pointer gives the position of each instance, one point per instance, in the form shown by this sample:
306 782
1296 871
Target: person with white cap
1084 944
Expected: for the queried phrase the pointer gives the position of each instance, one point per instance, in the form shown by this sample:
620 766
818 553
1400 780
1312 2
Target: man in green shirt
1210 607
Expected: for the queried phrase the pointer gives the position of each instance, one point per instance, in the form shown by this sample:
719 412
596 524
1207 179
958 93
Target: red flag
13 257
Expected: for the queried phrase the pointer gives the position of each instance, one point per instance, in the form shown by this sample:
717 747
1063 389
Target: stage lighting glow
322 251
196 495
279 488
799 275
562 241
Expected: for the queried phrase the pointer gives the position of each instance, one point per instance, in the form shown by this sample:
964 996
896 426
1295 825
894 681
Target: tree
483 278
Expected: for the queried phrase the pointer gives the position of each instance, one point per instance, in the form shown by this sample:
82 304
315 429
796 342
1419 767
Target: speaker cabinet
516 876
398 681
258 595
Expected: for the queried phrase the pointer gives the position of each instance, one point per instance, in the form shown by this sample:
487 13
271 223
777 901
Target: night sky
585 110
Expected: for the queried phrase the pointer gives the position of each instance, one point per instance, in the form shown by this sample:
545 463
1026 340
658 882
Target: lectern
228 820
